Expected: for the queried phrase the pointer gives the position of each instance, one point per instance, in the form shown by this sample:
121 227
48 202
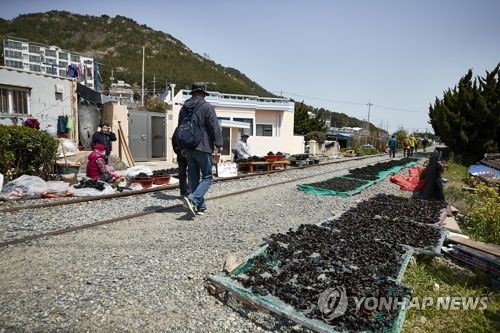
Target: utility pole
368 123
112 78
154 85
142 93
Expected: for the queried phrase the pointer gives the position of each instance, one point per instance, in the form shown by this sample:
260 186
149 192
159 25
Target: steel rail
163 188
156 210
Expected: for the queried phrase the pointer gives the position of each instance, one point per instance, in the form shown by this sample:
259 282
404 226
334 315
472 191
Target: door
138 135
158 137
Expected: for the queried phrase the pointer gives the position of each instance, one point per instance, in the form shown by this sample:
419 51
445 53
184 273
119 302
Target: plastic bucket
62 169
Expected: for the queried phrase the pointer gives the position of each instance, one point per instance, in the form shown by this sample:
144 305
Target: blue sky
399 55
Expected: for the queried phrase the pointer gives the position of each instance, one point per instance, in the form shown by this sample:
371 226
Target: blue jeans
199 162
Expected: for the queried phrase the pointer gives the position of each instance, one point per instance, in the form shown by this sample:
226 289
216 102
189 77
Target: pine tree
467 119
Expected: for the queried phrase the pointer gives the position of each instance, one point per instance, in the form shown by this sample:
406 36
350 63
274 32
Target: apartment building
52 60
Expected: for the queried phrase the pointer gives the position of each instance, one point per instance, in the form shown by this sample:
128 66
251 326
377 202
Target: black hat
244 134
198 86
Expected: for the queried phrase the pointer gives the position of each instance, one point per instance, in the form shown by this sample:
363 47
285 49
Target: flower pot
161 180
146 182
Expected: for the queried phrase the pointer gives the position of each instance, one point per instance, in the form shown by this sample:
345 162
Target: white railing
250 99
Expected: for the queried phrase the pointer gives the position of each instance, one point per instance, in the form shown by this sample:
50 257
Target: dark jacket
212 135
103 139
175 145
393 144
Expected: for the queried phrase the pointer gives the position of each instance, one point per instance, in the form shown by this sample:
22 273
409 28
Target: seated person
97 167
242 147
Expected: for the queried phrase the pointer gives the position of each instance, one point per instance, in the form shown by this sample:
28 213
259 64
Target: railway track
60 231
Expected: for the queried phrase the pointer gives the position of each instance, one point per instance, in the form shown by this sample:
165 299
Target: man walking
406 147
199 157
413 142
393 143
183 165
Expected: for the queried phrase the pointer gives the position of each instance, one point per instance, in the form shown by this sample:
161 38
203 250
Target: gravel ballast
147 274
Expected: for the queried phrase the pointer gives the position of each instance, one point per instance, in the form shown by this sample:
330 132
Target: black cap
244 134
198 86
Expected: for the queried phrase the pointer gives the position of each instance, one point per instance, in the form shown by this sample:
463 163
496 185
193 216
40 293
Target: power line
396 109
325 99
352 103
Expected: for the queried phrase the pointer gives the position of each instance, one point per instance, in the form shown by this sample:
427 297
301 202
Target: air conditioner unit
59 89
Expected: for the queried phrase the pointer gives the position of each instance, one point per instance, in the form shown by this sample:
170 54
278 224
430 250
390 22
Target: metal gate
147 135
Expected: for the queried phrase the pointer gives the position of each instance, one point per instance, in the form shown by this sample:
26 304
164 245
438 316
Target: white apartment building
52 60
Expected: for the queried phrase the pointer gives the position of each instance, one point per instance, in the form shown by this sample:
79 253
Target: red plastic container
161 180
146 182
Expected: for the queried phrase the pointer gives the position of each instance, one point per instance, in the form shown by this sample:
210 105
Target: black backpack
190 130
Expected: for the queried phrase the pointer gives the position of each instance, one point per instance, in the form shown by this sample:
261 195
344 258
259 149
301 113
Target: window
248 131
34 49
63 64
13 44
35 68
13 63
62 72
50 53
35 58
50 60
13 54
63 56
17 96
75 58
264 130
20 102
51 70
4 101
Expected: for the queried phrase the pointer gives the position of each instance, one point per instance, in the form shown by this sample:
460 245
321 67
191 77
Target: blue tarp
483 171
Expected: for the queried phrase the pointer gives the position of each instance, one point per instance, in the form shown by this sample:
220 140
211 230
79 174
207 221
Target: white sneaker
189 205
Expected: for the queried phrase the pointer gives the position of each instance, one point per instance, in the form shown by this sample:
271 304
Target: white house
45 97
268 121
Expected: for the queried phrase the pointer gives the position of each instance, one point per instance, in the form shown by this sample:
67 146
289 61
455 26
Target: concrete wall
44 103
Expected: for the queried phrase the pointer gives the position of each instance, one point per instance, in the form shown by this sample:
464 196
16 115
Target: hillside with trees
117 44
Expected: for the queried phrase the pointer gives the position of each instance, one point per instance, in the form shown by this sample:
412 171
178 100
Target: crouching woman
96 165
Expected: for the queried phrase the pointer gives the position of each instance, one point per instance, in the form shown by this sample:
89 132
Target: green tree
301 118
467 118
304 123
155 105
318 136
